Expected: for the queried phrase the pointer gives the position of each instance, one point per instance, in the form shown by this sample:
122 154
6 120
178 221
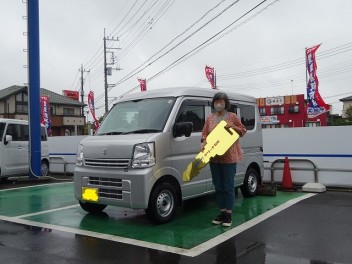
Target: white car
14 148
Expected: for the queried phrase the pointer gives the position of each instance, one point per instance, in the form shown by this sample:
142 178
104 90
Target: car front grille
107 187
98 181
107 163
109 193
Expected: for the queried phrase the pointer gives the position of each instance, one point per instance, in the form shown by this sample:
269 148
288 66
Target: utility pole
105 77
108 71
82 90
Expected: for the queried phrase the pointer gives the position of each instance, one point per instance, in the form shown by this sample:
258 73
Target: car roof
15 121
185 91
9 120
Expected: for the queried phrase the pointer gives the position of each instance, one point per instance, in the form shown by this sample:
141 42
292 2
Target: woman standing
223 168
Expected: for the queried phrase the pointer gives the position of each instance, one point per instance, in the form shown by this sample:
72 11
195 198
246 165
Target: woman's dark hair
221 96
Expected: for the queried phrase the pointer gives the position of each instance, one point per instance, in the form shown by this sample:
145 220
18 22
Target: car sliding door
14 160
184 149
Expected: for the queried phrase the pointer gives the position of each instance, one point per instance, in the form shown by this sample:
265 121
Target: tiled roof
54 97
11 90
349 98
58 98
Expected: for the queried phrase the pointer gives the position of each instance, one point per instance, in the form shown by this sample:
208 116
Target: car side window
25 132
43 135
14 130
192 113
2 128
233 108
248 116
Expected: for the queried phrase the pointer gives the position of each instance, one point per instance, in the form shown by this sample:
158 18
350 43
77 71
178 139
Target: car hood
111 146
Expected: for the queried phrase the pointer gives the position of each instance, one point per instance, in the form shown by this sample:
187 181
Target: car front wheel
162 203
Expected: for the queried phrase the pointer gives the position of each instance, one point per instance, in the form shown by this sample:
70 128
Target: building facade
287 111
347 102
66 113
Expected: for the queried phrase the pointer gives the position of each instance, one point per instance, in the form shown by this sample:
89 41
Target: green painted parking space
191 226
15 202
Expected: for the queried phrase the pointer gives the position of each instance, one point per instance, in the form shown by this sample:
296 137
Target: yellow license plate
90 194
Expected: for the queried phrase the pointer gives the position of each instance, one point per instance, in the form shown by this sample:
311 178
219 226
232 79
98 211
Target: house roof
54 97
349 98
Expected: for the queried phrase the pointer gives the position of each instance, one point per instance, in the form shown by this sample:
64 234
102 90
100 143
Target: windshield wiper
146 130
111 133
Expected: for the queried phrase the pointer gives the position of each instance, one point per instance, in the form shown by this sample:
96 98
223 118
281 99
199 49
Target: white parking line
197 250
33 186
47 211
193 252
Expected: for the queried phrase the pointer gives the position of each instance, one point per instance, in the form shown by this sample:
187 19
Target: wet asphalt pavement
317 230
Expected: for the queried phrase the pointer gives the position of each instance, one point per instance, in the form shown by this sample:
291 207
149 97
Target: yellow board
90 194
218 142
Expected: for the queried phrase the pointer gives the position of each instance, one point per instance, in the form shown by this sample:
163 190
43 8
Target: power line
133 16
202 44
145 28
74 79
128 12
138 70
185 31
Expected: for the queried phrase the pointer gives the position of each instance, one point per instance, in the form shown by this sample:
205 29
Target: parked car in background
14 148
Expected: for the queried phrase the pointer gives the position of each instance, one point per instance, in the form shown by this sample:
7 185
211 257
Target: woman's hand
237 129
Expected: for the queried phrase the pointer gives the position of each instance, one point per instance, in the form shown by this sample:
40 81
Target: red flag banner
316 104
92 109
210 74
45 113
143 84
71 94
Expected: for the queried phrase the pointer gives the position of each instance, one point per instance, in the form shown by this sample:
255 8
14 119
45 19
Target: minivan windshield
137 116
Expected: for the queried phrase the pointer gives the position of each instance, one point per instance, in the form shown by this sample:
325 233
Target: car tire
44 168
162 203
250 183
92 207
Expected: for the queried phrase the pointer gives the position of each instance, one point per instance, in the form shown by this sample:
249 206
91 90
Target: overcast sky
261 55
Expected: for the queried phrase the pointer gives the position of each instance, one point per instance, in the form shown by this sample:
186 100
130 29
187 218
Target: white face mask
219 107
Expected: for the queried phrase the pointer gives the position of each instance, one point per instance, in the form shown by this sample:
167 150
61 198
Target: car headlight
143 155
79 157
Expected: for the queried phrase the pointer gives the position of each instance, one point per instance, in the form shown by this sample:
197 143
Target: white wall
64 147
306 143
328 147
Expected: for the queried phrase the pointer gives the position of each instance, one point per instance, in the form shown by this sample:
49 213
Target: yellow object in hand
217 143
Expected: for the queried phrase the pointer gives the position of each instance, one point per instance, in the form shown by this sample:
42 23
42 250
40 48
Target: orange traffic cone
286 177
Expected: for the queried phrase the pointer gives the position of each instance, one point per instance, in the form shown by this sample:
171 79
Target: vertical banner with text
210 74
45 113
143 84
316 104
92 109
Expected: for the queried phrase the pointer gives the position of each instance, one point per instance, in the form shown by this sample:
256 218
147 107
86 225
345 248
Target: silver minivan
14 148
138 156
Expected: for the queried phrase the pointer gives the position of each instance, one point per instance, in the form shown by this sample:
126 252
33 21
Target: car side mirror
8 138
183 129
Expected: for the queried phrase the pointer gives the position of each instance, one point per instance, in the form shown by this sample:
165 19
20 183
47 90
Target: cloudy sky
259 52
